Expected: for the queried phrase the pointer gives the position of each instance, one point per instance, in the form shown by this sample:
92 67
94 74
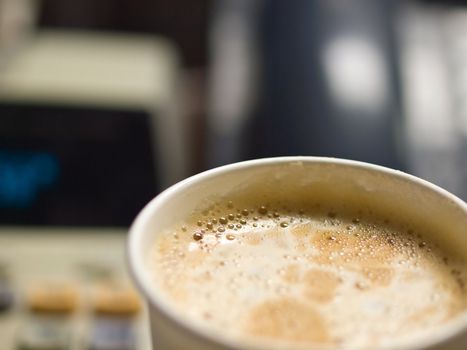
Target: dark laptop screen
74 166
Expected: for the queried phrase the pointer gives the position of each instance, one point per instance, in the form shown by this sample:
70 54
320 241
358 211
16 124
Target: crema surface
261 271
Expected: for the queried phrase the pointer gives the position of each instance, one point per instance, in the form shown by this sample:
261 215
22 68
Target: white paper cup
383 187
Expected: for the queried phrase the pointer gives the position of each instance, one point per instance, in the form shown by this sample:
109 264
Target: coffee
304 269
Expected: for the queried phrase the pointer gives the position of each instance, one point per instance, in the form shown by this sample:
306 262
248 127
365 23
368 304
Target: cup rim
136 263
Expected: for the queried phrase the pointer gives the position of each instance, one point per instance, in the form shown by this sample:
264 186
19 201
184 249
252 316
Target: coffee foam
261 267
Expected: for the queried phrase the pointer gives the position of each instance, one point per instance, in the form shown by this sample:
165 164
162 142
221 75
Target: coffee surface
315 274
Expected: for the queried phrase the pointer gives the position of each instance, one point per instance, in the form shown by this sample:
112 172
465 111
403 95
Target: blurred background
103 104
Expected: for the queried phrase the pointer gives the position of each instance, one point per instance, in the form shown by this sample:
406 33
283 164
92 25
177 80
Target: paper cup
384 188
